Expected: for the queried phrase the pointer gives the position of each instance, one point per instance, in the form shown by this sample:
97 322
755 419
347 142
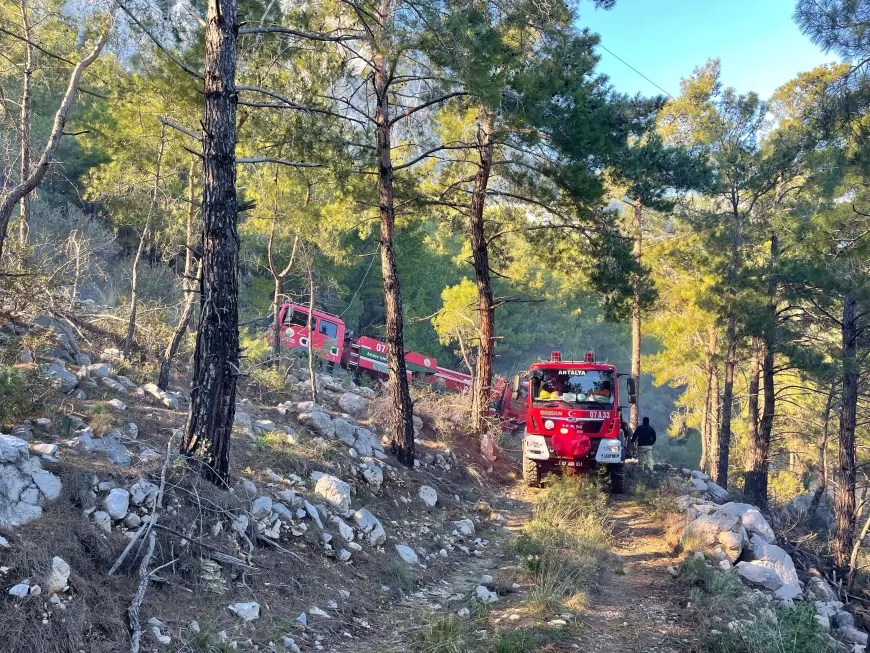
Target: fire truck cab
574 419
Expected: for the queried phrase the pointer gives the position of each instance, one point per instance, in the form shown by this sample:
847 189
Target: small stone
20 591
262 508
463 613
303 619
486 579
103 521
59 576
428 495
290 644
317 612
248 611
407 554
35 590
117 404
485 596
464 527
194 626
117 503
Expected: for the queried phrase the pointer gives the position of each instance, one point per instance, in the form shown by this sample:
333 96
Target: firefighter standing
645 438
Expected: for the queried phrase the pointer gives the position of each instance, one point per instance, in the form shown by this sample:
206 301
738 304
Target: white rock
698 484
407 554
428 495
132 520
851 636
59 576
463 613
113 385
369 524
486 579
333 491
717 492
262 508
344 530
344 555
117 503
103 521
345 431
248 611
317 612
303 619
319 422
373 474
484 595
699 475
751 518
48 484
143 492
43 449
464 527
19 591
99 370
311 511
756 573
352 403
4 543
290 644
117 404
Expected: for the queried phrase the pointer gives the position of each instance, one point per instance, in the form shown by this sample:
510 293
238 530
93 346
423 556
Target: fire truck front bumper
536 447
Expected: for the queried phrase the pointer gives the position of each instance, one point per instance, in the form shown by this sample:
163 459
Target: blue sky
757 41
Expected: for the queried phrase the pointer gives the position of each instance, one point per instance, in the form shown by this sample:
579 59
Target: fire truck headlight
549 424
613 447
563 431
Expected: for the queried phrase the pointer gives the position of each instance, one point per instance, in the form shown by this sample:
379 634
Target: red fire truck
363 355
574 419
510 411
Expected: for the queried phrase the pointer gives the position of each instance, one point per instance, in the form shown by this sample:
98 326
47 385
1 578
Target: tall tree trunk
26 102
10 199
188 285
134 277
822 486
402 424
844 526
278 278
312 377
216 360
634 409
716 412
724 445
755 483
708 418
757 476
485 301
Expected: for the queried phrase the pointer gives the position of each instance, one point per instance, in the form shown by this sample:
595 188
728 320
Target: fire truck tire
531 472
617 478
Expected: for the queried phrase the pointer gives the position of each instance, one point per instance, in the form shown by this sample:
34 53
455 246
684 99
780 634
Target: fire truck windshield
573 387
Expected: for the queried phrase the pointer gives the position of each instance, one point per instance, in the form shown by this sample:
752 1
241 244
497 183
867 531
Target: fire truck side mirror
516 387
632 391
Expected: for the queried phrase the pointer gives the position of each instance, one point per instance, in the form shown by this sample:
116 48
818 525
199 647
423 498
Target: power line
365 276
636 70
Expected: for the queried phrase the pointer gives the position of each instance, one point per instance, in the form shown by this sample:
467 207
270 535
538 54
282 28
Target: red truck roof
572 365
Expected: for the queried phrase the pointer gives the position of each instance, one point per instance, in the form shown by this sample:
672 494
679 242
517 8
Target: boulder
775 558
103 521
333 491
345 431
717 492
372 473
48 484
407 554
248 611
117 404
59 575
483 595
117 503
319 422
113 385
344 530
99 370
698 485
352 403
262 508
428 495
165 398
143 493
311 511
730 545
68 381
108 446
464 527
851 635
43 449
751 518
757 574
12 449
370 526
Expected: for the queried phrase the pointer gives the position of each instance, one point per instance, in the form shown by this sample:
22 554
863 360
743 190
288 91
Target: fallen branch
144 574
212 552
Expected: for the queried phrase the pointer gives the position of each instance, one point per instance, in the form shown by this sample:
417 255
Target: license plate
568 463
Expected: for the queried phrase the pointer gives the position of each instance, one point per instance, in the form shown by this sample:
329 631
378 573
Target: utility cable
635 70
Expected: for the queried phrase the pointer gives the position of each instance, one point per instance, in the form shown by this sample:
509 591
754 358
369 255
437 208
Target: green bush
447 635
21 392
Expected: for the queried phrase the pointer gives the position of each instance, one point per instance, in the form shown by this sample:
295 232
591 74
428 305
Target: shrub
447 635
22 391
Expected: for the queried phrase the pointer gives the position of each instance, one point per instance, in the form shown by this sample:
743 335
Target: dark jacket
645 435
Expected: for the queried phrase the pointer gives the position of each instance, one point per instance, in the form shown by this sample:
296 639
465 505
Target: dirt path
637 607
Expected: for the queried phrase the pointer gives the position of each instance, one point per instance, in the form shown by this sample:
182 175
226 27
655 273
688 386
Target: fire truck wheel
617 478
531 472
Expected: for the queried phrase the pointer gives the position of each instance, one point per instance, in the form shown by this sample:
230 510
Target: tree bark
134 277
716 410
402 425
216 360
188 285
278 277
634 409
312 377
25 186
485 301
707 420
757 449
823 456
844 525
724 445
26 102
